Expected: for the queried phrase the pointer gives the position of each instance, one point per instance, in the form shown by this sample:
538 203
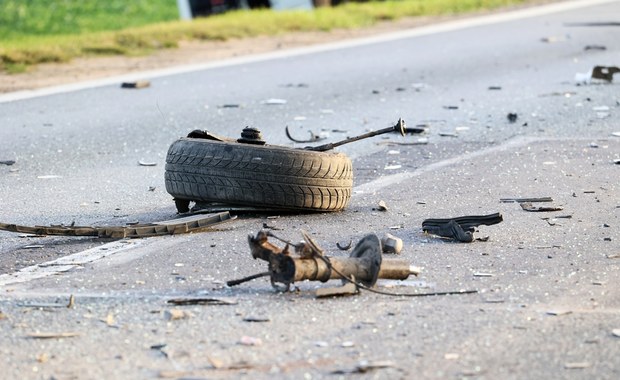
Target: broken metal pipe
365 263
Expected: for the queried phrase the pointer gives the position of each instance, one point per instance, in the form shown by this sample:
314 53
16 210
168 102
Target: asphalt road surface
546 306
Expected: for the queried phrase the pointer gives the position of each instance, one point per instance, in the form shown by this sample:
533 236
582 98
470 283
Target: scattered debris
552 39
460 228
300 85
451 107
528 206
420 141
109 320
147 163
577 365
3 316
559 312
33 246
275 101
187 224
230 106
256 319
522 200
348 289
344 247
49 176
7 162
392 167
313 137
391 244
602 73
495 88
250 341
202 301
52 335
365 366
448 134
381 206
595 47
136 84
605 73
483 274
175 314
512 117
616 333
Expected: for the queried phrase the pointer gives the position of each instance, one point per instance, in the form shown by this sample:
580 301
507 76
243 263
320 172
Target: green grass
38 31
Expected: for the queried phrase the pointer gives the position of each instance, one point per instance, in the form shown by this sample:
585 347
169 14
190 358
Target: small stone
250 341
391 244
176 314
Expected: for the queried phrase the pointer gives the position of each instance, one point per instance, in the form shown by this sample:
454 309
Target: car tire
264 176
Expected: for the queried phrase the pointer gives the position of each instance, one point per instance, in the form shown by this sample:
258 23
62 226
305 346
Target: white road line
67 263
395 179
416 32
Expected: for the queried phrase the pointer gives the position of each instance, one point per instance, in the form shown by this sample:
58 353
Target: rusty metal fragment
528 206
188 224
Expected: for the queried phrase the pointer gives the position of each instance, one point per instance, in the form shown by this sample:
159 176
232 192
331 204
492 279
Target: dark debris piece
521 200
512 117
605 72
460 228
7 162
313 137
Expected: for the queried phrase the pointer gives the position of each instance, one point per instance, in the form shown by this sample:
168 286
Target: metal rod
398 127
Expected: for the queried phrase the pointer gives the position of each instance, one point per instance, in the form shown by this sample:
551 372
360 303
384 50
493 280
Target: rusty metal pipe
314 269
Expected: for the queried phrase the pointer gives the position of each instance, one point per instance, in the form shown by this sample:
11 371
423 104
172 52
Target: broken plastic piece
461 228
